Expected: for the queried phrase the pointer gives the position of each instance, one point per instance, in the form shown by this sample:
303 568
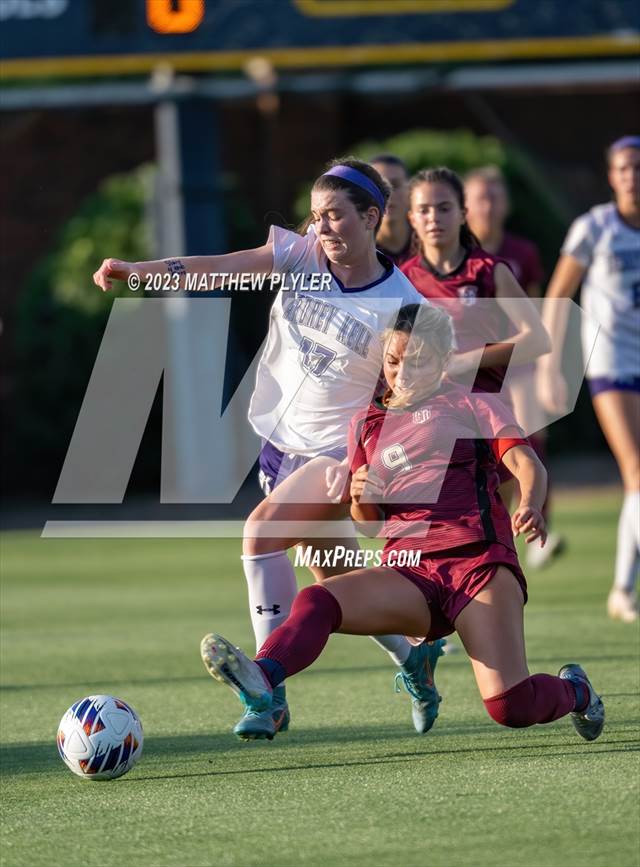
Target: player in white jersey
321 364
602 251
320 344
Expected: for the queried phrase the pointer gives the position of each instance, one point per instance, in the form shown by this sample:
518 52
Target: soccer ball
100 737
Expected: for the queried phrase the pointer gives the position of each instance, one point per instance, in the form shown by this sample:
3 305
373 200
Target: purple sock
272 670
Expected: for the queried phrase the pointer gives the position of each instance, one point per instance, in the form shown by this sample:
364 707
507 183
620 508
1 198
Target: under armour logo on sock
275 609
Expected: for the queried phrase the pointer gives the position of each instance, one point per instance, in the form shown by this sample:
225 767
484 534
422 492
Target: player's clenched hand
529 523
113 269
337 479
365 482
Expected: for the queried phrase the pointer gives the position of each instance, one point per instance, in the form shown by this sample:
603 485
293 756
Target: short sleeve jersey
438 466
323 353
458 292
523 258
609 249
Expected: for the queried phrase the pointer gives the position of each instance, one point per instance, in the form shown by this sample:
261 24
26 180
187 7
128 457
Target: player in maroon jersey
395 235
451 269
423 433
487 200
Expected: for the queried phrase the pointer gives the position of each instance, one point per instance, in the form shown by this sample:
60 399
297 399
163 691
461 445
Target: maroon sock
297 642
540 698
539 445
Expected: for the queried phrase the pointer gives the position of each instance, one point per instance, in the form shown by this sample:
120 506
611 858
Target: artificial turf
350 783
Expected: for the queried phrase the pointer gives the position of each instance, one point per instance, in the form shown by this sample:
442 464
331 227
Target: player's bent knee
251 547
253 543
514 708
631 479
317 602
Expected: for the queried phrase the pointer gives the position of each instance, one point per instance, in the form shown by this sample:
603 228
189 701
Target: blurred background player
452 270
602 252
487 201
321 363
395 235
468 577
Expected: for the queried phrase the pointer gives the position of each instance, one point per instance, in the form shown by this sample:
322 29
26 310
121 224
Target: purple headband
627 141
360 180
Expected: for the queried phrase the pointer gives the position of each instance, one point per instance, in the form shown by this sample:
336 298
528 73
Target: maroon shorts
450 579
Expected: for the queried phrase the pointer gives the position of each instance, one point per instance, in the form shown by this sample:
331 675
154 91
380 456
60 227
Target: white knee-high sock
628 549
396 646
272 588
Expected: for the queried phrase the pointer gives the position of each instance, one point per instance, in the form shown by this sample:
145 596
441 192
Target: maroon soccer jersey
523 258
437 463
457 292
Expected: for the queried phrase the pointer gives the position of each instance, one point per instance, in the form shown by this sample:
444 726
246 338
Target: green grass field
350 783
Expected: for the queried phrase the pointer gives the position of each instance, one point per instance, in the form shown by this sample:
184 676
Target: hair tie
627 141
360 180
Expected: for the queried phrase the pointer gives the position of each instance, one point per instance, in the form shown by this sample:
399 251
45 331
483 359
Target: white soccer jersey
323 354
610 251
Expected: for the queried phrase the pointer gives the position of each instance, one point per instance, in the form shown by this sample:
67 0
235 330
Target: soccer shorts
276 466
450 579
598 384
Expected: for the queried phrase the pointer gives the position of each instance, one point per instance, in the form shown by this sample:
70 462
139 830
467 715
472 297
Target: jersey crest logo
468 295
422 415
395 458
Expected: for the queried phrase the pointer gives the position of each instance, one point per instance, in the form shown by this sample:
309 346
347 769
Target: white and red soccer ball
100 737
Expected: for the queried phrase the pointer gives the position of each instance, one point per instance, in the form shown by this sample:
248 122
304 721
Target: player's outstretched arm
527 468
551 385
256 261
529 334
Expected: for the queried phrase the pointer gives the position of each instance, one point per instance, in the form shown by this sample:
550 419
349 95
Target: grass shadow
42 756
409 757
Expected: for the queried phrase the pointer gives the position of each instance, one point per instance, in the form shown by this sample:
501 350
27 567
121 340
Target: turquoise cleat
416 675
229 665
590 721
280 709
255 725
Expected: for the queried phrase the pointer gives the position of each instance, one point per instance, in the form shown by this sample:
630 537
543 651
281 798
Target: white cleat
622 605
229 665
539 557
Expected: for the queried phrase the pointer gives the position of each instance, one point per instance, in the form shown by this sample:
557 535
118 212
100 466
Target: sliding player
320 365
428 434
487 200
602 251
453 270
